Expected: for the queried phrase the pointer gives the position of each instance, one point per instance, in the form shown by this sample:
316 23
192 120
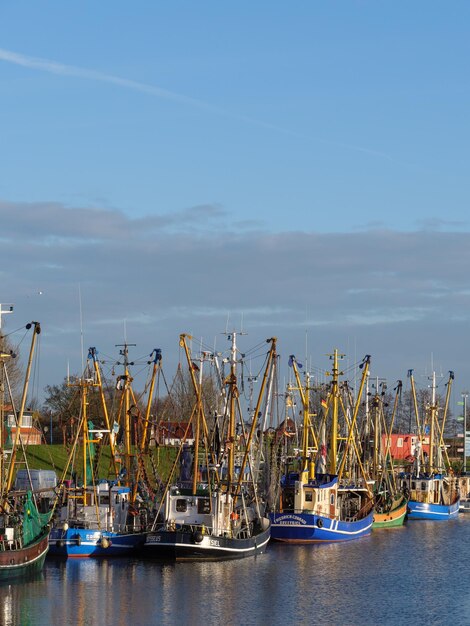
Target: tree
13 379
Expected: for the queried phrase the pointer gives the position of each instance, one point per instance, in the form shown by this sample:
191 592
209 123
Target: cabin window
203 506
308 496
332 498
413 485
104 499
424 486
181 506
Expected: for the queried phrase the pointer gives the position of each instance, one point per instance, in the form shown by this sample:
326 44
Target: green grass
55 457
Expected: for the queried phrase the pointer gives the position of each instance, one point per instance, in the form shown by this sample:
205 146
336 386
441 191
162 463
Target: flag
324 403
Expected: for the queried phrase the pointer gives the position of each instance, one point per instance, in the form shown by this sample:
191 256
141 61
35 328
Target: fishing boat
464 489
214 511
317 505
95 517
433 491
390 504
464 478
24 531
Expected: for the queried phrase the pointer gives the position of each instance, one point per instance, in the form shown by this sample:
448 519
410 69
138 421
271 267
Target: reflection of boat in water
24 531
318 505
220 517
433 494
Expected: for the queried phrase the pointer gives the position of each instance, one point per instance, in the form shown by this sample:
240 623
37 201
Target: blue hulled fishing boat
433 494
316 505
96 522
93 517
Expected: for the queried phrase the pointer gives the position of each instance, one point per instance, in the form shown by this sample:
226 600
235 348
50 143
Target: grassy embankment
55 457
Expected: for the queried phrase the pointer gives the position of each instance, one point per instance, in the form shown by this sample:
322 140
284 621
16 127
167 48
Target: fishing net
33 521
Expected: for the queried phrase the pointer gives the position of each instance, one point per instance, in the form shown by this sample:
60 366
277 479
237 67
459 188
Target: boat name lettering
290 519
154 538
214 542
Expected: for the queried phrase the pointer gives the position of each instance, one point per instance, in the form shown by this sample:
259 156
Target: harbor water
417 574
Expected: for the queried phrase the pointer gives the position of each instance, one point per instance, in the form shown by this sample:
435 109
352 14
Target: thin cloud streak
61 69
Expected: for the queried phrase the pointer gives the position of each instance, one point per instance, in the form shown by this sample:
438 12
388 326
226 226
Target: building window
400 442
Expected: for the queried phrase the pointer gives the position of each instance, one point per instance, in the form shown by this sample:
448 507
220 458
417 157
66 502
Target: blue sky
303 165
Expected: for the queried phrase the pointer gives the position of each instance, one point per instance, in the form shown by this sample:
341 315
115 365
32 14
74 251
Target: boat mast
92 353
304 391
334 418
233 394
4 356
19 421
464 397
127 379
270 364
432 425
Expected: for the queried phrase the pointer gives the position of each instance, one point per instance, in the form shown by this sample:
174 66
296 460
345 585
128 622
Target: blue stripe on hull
438 512
309 528
81 542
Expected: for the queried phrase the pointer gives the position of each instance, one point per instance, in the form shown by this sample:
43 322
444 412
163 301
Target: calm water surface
418 574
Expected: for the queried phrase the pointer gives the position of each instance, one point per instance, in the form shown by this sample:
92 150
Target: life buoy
320 523
198 536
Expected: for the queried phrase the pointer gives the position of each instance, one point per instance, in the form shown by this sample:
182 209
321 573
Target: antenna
306 350
226 325
81 325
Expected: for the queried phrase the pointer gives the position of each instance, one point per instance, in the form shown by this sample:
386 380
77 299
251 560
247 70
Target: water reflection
416 574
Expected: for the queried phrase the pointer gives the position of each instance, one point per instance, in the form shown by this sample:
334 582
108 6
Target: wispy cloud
53 67
61 69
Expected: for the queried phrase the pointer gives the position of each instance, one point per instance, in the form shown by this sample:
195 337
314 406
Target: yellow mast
351 439
269 365
233 395
142 444
92 352
334 394
432 429
418 421
444 418
199 410
36 331
156 366
304 391
125 400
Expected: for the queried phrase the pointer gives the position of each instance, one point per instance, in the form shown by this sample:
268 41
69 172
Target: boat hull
86 542
311 528
24 562
464 506
437 512
185 546
393 518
